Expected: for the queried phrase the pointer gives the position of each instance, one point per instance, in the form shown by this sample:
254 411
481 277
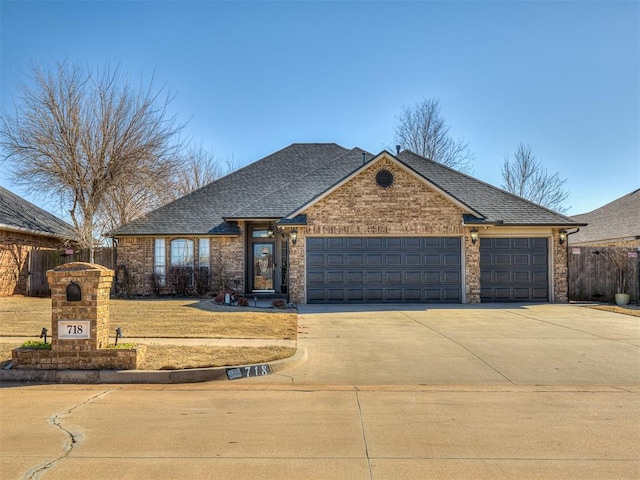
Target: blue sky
253 77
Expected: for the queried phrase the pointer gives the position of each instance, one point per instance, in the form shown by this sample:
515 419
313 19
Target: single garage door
383 269
514 270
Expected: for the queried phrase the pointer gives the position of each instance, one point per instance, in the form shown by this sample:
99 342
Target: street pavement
385 392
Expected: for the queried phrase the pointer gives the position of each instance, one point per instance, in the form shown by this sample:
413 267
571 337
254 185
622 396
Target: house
329 224
614 224
24 228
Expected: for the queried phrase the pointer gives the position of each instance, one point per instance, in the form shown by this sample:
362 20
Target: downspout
567 260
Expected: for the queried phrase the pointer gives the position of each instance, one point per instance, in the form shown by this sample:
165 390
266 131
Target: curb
139 376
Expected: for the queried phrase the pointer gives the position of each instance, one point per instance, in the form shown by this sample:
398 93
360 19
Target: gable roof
280 185
616 221
17 214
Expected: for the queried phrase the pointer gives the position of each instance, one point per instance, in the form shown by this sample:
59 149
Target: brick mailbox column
79 324
79 306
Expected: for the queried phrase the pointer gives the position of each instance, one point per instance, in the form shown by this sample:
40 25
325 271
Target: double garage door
383 269
411 269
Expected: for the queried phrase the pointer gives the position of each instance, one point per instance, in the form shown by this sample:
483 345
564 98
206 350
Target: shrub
278 304
219 298
123 346
36 345
243 302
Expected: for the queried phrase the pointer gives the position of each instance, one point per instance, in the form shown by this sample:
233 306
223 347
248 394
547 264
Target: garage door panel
335 277
413 294
384 269
315 259
335 260
315 278
394 259
514 269
374 277
540 293
521 259
502 259
433 260
393 243
412 260
374 243
413 278
354 278
354 259
355 295
354 243
451 277
314 243
336 243
413 243
451 259
335 294
540 259
373 295
393 278
315 294
393 295
373 260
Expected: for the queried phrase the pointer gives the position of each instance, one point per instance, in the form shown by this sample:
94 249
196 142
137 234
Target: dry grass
173 357
25 317
632 310
159 318
176 357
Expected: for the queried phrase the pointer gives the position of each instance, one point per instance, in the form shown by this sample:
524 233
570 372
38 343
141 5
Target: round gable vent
384 178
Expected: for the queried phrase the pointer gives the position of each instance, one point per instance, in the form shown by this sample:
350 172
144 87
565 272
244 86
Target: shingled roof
17 214
279 185
617 221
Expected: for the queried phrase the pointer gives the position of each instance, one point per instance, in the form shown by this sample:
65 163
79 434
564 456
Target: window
159 262
203 261
182 263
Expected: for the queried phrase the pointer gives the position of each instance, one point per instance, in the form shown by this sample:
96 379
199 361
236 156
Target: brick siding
14 254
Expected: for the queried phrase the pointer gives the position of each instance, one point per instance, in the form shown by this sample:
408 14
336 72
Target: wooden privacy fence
592 277
42 260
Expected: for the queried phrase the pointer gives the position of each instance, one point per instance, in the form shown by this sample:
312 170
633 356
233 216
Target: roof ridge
617 200
493 187
319 166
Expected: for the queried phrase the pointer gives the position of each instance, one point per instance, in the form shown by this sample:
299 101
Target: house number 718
256 371
74 329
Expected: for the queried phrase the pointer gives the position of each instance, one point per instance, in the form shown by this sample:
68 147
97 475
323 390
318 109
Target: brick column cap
92 269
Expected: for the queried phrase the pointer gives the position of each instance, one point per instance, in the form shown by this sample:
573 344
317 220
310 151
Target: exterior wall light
474 235
294 236
563 236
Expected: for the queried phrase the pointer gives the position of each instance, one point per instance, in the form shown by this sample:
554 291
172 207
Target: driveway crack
73 439
364 434
463 346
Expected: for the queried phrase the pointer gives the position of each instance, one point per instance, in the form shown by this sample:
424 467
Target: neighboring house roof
281 184
617 221
17 214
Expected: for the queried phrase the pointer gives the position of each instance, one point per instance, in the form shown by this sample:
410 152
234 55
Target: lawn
168 318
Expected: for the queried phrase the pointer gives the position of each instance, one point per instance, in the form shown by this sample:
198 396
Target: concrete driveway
501 344
465 392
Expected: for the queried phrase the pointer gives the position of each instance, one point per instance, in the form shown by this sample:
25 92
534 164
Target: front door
263 267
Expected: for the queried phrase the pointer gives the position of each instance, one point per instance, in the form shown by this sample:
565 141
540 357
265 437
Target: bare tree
527 178
83 138
197 167
422 129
